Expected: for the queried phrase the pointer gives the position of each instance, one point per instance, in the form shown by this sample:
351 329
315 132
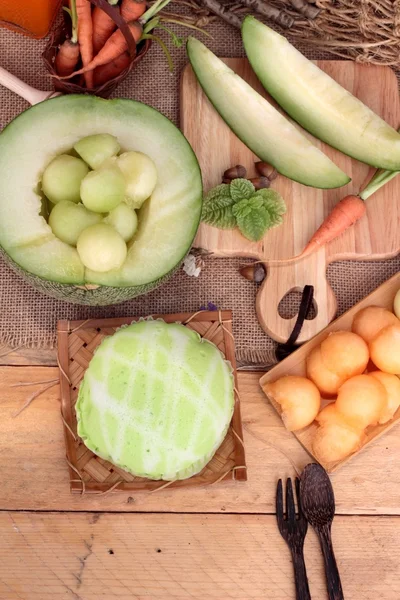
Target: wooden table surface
215 542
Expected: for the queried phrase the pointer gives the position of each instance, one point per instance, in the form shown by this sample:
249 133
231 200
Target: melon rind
86 294
156 400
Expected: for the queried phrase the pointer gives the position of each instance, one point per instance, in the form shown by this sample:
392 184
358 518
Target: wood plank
28 356
35 474
168 557
375 236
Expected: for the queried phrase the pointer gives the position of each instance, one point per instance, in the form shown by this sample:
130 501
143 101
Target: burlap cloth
28 318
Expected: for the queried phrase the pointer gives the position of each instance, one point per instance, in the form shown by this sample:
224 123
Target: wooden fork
293 529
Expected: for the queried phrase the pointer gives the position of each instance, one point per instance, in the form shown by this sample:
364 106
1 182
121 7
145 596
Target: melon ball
101 248
361 401
124 220
391 383
67 221
345 353
330 415
385 349
326 381
141 177
103 190
396 304
335 441
299 400
62 178
369 321
95 149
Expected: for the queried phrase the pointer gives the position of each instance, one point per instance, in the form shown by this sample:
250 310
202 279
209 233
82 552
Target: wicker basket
77 342
74 85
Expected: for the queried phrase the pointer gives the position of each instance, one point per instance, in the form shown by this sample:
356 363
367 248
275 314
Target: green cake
156 400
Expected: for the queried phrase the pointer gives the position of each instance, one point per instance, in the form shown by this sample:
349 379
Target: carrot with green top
103 26
117 44
85 38
132 10
112 49
68 54
109 71
347 212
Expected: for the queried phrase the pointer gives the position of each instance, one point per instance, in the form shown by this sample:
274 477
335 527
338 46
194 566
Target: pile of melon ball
359 369
94 210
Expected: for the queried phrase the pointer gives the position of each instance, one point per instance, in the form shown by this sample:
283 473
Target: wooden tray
295 365
77 341
375 236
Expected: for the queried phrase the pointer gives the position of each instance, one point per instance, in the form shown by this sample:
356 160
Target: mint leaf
254 225
252 218
241 209
244 207
220 191
219 217
241 189
274 204
217 208
237 203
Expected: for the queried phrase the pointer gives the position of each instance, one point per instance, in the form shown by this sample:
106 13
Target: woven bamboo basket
77 341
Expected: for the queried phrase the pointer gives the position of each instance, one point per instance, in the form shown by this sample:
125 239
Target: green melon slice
316 101
271 136
53 127
156 400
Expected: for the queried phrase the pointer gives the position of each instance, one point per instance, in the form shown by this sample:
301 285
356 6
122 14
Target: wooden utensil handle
22 89
300 576
293 277
334 585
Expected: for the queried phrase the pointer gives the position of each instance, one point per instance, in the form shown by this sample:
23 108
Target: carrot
117 44
131 10
68 53
109 71
349 210
114 47
67 58
85 38
103 26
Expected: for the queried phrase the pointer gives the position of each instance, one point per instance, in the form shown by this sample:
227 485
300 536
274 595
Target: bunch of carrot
98 43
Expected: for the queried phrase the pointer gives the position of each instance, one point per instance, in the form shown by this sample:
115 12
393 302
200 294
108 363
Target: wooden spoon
318 504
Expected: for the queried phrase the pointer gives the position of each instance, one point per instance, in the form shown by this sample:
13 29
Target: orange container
30 17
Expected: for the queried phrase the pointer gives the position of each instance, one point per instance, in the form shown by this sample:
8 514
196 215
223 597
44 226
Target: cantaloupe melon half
156 400
167 223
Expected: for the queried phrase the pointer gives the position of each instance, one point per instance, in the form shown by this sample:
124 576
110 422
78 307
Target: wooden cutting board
376 236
